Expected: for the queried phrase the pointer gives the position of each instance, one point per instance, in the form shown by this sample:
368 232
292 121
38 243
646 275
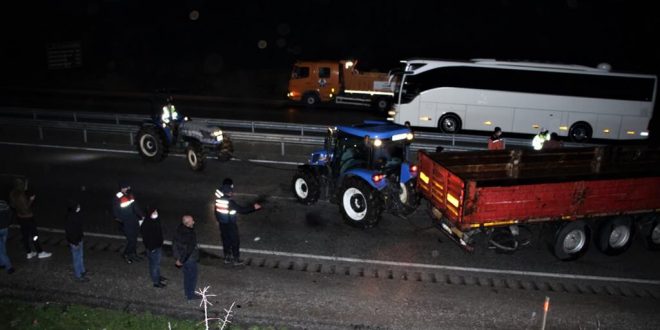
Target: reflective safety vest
538 141
125 200
224 213
169 113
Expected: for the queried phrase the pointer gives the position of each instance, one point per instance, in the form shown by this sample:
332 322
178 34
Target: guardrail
252 131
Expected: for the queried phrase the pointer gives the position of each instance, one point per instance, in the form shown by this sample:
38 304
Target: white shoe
44 254
31 255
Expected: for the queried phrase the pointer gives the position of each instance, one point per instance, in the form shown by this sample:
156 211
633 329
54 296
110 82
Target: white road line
401 264
119 151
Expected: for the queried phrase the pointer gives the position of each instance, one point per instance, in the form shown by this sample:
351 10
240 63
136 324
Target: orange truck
312 82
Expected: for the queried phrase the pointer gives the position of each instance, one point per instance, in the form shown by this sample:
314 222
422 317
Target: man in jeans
152 237
186 254
23 205
5 216
74 235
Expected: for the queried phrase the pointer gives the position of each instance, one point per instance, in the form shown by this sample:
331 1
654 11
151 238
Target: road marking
399 264
119 151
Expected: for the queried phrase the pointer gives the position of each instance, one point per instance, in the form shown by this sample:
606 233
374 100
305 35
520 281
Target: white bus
522 97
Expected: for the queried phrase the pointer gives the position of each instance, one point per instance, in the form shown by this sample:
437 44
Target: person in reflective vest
130 216
496 142
226 211
169 112
539 139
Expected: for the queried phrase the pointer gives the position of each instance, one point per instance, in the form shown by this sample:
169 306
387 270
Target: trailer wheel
306 187
150 144
196 157
359 203
449 123
571 241
615 235
651 232
310 99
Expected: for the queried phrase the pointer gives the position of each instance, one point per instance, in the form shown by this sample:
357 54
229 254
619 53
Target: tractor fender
165 132
365 175
405 173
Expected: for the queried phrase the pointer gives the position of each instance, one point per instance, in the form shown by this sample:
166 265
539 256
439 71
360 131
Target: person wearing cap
152 237
20 201
73 230
496 142
128 214
539 139
226 210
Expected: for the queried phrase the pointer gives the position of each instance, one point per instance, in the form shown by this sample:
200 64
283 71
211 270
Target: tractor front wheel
196 157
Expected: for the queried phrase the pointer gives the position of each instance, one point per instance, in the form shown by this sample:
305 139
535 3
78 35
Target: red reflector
413 168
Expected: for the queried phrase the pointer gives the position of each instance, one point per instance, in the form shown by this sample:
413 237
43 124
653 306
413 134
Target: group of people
543 140
133 222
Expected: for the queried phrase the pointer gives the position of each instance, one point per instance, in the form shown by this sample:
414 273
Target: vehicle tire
196 157
359 204
571 240
449 123
305 187
408 197
580 132
150 144
650 232
382 104
310 100
614 235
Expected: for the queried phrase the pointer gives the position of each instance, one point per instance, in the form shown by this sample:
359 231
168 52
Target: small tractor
364 169
160 135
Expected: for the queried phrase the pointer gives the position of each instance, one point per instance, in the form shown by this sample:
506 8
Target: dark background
141 45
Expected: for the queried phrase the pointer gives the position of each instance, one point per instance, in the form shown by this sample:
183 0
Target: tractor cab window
299 72
350 153
389 155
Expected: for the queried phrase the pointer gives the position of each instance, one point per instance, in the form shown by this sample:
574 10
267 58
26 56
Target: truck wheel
382 104
614 235
360 206
310 99
449 123
196 157
306 187
150 144
651 232
571 241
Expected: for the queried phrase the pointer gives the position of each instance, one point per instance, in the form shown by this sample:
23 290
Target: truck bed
487 187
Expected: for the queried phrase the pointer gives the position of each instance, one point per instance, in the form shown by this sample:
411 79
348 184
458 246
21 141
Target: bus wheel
650 231
571 241
310 99
614 235
580 132
449 123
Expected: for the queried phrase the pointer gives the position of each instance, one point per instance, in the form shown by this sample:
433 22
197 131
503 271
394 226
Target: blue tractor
363 168
169 130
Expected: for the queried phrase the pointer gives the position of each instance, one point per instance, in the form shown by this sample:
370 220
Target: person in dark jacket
128 214
152 237
5 216
186 254
22 204
74 236
226 210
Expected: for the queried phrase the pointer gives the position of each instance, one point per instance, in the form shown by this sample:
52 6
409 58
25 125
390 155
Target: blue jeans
77 254
190 278
154 264
4 258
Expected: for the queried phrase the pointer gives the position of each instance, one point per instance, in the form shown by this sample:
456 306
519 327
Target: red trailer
602 192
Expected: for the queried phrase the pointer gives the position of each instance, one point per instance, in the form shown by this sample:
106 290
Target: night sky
146 42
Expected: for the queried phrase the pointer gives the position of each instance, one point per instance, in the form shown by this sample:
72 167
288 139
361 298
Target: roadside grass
21 315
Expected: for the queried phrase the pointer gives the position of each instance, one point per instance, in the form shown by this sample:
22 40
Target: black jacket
152 233
74 227
184 245
5 215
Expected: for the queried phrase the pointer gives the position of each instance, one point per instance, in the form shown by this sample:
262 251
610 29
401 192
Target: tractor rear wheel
195 156
359 204
150 144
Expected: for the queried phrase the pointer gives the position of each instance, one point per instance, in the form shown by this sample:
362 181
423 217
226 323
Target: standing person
20 201
540 139
74 235
186 254
5 216
554 142
152 237
225 213
128 214
496 142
